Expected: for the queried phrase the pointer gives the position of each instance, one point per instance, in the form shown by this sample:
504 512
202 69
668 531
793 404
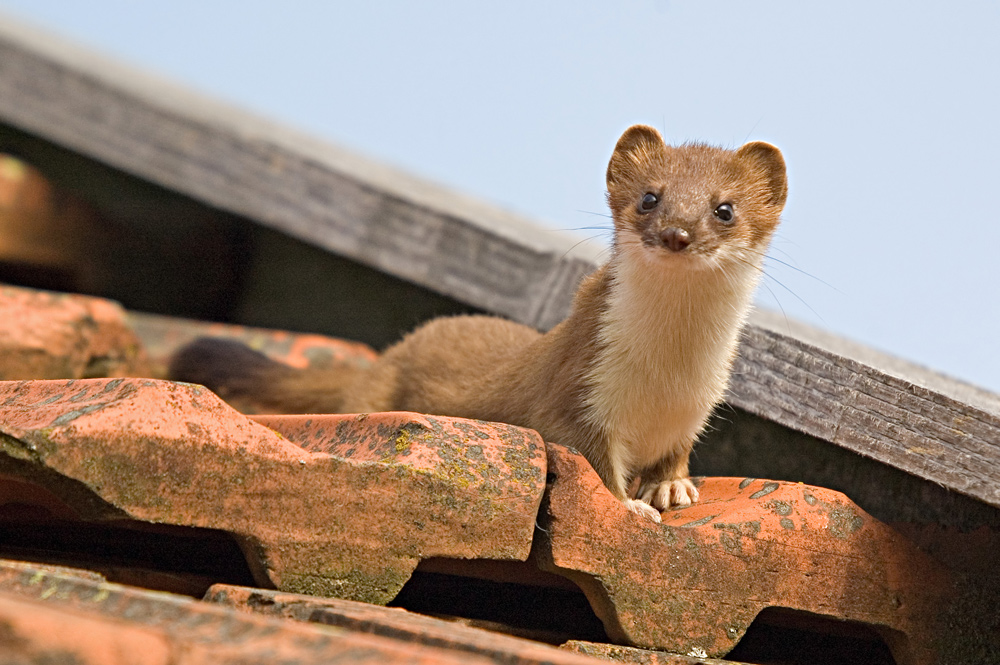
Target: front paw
668 494
643 509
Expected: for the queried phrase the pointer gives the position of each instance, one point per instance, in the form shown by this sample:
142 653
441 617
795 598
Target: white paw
669 493
643 509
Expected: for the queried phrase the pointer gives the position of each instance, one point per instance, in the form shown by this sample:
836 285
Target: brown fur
631 376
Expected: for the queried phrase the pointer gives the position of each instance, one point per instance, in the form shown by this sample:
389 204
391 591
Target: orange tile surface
309 521
50 617
393 622
695 582
47 335
500 461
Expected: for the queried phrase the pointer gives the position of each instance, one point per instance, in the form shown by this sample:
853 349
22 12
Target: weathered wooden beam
227 158
873 404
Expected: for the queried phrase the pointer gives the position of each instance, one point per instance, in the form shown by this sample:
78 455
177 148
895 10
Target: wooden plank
898 413
892 411
389 220
741 444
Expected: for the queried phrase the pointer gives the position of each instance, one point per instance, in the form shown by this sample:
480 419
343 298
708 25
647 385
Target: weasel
630 377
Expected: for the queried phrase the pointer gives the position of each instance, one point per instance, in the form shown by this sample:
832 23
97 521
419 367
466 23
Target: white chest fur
668 337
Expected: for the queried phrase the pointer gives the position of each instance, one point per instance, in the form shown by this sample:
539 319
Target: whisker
796 296
779 283
778 249
778 302
749 264
586 228
597 214
799 270
752 129
577 244
768 257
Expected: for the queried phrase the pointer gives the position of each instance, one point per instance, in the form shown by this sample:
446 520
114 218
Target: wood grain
898 413
386 219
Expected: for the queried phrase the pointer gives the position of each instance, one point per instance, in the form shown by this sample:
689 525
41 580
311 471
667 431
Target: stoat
630 377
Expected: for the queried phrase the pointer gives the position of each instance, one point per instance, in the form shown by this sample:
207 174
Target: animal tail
255 383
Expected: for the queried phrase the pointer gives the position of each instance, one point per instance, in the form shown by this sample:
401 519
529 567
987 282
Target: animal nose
675 239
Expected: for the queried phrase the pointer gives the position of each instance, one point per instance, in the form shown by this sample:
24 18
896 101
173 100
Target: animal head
695 200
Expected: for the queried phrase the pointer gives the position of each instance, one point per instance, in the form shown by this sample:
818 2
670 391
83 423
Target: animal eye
648 202
724 212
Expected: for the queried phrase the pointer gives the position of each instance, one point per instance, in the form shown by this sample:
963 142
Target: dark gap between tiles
544 614
787 637
158 557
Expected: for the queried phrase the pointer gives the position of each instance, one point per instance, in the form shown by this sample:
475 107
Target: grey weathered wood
881 407
230 159
892 411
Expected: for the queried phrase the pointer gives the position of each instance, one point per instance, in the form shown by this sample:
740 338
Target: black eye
648 202
724 212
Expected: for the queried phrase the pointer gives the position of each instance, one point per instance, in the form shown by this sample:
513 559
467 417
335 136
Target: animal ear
766 161
637 141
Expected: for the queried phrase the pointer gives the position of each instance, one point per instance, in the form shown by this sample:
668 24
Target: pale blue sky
887 114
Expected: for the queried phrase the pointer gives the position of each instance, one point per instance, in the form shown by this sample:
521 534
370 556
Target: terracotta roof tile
57 617
636 656
697 581
404 487
47 335
392 622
